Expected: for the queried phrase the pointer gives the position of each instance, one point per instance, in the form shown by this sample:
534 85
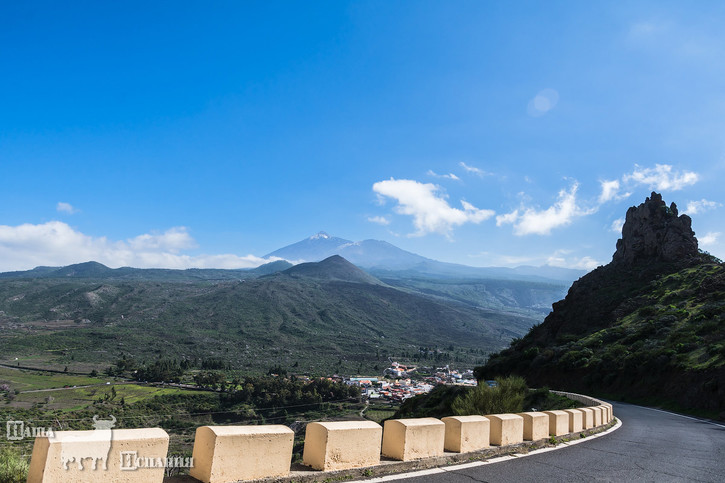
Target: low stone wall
585 400
224 454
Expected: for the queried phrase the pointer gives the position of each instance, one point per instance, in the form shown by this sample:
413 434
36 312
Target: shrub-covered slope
323 317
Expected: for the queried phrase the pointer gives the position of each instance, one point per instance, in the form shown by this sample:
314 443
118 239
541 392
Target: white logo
77 448
17 430
131 461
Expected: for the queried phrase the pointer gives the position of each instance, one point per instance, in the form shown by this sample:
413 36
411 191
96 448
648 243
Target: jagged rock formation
654 232
649 326
655 240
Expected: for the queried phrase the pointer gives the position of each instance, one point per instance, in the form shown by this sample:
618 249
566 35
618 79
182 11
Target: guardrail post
506 429
466 433
108 455
232 453
409 439
342 445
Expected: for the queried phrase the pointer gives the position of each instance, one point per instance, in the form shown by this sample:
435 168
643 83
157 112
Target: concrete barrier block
575 420
109 455
409 439
232 453
506 429
466 433
587 417
558 423
342 445
536 426
598 416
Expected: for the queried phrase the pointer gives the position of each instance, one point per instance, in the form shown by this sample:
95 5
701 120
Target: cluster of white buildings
399 386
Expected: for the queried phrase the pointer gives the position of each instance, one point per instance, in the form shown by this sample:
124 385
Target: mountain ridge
380 257
96 270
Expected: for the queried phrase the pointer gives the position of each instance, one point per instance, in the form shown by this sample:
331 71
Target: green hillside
318 324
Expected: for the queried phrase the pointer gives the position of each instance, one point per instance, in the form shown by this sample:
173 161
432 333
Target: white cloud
507 218
543 102
617 225
529 221
174 240
380 220
581 263
662 177
695 207
447 176
430 211
63 207
610 191
709 239
473 169
55 244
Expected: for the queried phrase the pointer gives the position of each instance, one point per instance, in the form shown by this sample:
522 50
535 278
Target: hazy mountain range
380 257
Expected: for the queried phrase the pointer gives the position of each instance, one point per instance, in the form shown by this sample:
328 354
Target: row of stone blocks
233 453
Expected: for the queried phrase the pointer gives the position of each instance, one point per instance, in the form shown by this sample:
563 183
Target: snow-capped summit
312 249
319 235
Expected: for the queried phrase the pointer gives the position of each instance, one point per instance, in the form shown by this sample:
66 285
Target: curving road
650 445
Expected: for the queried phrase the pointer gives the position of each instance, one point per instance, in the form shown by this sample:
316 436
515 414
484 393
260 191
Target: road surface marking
448 469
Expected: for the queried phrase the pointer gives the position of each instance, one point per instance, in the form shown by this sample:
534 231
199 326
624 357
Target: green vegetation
26 380
379 414
72 399
13 465
659 340
508 395
321 326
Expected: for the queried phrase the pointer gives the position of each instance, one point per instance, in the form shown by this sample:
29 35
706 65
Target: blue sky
179 134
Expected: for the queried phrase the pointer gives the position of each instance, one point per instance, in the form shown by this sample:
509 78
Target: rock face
655 232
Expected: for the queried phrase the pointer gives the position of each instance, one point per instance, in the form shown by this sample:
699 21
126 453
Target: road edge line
499 459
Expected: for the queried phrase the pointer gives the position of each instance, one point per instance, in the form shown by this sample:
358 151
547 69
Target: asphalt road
651 445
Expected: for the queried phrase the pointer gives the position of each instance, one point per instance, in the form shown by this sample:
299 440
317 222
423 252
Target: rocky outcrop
648 326
654 232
